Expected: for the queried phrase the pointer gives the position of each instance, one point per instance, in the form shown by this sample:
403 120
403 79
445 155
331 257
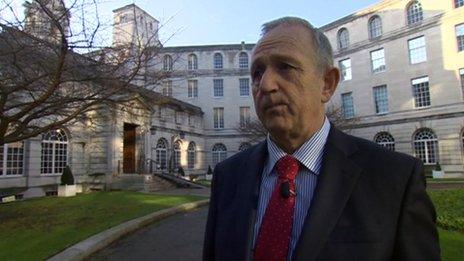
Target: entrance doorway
129 148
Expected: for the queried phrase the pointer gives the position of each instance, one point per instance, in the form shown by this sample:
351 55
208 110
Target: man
311 192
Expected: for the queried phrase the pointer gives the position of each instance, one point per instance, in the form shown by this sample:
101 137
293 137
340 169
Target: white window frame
244 112
378 63
429 145
192 88
167 88
385 140
57 146
12 159
218 117
192 63
343 38
348 105
375 27
218 153
459 30
218 61
243 60
244 87
176 156
422 97
167 63
161 154
345 71
218 88
380 94
417 50
191 155
414 13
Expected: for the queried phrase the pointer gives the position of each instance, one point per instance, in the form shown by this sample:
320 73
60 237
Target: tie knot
287 167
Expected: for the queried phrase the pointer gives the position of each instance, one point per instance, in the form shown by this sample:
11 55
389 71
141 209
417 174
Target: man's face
287 85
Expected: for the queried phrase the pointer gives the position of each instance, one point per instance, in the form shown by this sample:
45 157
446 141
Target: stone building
402 66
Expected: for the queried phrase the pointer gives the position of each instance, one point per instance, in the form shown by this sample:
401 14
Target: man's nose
269 81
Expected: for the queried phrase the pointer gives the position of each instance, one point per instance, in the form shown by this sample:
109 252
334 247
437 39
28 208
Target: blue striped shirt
310 157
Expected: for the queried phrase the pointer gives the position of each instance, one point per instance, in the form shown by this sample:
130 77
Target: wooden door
129 148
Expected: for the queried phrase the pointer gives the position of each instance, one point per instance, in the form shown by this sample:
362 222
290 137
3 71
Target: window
243 60
343 38
218 88
191 120
244 86
420 89
375 27
218 118
161 153
219 153
458 3
426 146
192 88
347 105
11 159
417 51
167 63
217 61
178 117
243 146
191 155
385 139
460 36
176 156
381 99
167 88
54 156
414 12
378 60
345 69
192 62
244 116
123 19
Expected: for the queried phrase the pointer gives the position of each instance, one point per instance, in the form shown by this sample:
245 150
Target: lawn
450 216
38 228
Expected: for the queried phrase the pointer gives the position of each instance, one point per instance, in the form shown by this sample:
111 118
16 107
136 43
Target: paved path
176 238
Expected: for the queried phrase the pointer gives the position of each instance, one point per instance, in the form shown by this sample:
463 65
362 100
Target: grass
445 180
450 220
450 208
204 182
38 228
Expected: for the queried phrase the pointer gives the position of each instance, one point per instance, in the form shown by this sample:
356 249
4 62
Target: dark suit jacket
369 204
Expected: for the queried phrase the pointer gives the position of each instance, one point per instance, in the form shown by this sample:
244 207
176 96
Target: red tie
276 228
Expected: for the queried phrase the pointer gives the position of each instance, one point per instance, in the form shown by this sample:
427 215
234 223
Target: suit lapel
249 191
334 186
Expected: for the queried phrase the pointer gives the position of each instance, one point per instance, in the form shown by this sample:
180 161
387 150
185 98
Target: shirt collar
309 154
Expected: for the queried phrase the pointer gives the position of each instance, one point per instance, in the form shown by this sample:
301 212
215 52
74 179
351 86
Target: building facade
402 77
402 80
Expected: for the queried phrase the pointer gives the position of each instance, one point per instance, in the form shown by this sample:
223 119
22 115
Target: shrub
210 171
181 171
67 177
438 166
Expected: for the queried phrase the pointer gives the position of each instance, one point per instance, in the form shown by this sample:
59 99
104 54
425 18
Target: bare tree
254 130
53 72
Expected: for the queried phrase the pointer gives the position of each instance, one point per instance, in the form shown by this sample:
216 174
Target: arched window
217 61
385 139
167 63
243 60
54 156
219 153
414 12
244 146
343 38
11 159
375 27
191 155
161 155
192 62
426 146
176 156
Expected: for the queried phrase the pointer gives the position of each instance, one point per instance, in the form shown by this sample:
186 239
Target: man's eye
257 75
285 66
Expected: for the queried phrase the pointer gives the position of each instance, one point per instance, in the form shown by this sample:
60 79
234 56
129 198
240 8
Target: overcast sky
199 22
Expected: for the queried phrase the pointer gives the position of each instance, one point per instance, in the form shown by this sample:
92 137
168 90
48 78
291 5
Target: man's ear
331 79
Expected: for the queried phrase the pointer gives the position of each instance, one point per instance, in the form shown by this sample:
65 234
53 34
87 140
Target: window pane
244 116
347 105
378 60
460 36
458 3
192 88
421 92
414 12
345 69
218 88
381 99
417 51
244 86
375 27
243 61
218 118
217 61
343 38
